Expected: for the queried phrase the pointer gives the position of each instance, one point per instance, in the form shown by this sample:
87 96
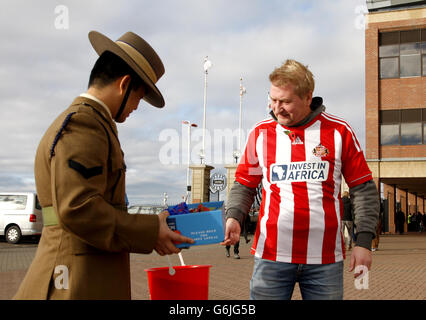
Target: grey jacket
364 197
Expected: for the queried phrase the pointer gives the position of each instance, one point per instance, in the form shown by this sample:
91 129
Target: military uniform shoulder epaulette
58 135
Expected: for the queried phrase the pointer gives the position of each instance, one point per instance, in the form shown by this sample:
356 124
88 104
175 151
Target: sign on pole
217 182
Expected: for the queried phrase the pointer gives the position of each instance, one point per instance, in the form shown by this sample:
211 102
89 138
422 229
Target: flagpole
241 111
207 65
237 153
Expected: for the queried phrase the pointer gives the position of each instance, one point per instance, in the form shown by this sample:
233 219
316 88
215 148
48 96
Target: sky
46 59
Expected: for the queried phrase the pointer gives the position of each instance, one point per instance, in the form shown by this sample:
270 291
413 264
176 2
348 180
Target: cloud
44 68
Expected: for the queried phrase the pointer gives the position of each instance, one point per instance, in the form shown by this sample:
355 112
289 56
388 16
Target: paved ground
398 272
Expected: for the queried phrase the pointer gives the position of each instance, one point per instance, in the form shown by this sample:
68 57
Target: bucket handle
172 271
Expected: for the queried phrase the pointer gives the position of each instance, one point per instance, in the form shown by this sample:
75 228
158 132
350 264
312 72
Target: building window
390 121
389 134
424 52
411 133
402 53
424 62
389 54
424 125
424 132
403 127
389 67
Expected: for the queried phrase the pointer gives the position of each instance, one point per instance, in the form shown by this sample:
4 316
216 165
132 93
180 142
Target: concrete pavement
398 271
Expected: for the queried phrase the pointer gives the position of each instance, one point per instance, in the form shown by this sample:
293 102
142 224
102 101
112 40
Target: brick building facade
395 70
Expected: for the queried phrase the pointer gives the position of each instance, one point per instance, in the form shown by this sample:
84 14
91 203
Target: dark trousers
400 228
236 248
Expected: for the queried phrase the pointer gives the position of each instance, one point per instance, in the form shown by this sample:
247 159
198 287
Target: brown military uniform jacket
80 172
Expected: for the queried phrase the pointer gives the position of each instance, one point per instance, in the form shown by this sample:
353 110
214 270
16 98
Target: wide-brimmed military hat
139 55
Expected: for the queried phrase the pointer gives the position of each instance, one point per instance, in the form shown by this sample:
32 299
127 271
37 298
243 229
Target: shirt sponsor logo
316 171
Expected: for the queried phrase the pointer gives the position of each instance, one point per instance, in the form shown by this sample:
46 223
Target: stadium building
395 70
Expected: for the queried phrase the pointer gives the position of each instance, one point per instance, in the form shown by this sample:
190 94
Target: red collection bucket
188 283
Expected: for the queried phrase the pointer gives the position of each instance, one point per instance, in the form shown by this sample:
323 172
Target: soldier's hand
232 232
166 237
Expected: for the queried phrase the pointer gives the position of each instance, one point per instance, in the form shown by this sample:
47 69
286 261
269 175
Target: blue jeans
273 280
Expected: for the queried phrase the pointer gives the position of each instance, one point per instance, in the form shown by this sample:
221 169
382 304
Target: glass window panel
409 48
410 66
411 115
424 133
38 205
411 133
410 36
424 47
13 202
389 68
389 134
390 116
424 64
386 38
389 51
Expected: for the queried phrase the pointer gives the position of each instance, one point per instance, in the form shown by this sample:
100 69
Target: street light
237 153
188 186
165 197
207 65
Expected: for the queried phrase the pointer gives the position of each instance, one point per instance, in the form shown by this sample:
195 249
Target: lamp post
165 197
188 185
207 65
237 153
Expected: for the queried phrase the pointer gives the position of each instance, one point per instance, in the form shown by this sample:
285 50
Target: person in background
376 240
400 221
237 245
236 250
420 221
347 220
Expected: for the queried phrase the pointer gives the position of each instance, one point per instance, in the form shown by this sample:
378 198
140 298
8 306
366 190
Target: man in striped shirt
300 155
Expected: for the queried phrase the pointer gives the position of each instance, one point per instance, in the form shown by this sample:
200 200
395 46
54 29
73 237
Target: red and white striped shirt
301 169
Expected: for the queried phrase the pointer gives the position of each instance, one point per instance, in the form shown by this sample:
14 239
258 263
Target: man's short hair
292 71
108 68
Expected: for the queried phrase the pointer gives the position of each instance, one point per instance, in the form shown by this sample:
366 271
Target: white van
20 215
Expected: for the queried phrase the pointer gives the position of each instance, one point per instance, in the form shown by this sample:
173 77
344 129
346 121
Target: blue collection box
205 227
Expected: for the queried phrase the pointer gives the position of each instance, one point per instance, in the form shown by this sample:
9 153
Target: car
145 209
20 215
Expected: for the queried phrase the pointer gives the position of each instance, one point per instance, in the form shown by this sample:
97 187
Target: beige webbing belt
49 217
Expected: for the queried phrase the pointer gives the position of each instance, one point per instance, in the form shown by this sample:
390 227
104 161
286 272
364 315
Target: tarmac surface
398 271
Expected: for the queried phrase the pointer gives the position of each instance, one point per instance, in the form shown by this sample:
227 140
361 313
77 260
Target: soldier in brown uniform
80 179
